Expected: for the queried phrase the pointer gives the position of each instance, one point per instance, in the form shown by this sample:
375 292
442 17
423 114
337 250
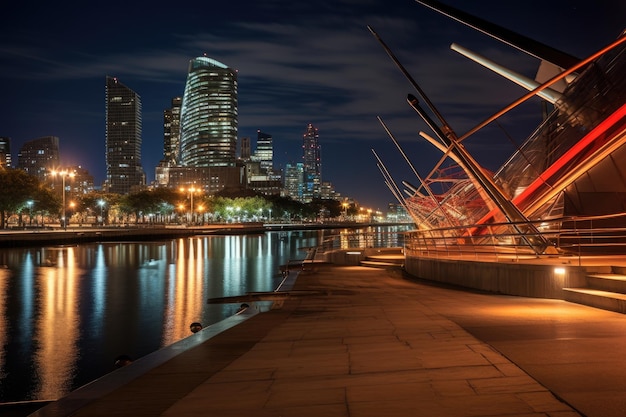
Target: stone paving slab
366 346
374 350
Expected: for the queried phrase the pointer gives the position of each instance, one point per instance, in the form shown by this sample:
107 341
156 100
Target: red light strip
596 134
580 146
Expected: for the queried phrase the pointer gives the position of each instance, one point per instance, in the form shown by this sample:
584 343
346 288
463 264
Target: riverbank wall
10 238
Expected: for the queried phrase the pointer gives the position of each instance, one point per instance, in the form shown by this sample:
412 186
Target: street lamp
201 211
191 191
29 203
63 174
101 204
181 207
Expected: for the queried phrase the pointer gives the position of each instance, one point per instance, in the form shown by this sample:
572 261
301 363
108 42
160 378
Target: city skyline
297 64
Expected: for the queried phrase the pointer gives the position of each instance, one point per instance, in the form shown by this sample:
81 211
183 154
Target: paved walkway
365 342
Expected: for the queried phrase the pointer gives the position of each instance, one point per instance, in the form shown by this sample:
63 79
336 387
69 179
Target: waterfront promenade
357 341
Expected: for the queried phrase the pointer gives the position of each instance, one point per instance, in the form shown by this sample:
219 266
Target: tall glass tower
265 151
312 160
209 115
294 180
123 138
171 131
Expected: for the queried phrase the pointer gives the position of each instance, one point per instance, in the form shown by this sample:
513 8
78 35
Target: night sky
298 63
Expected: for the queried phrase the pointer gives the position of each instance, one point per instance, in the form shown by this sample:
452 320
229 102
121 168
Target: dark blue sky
298 63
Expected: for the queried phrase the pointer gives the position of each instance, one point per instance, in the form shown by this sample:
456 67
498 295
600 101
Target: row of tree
24 196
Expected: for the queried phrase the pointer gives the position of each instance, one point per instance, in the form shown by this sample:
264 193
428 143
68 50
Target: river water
66 313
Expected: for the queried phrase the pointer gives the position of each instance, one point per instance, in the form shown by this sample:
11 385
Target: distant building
260 174
264 152
82 181
210 179
123 138
245 149
78 181
208 121
397 212
39 157
171 131
266 184
5 152
311 156
209 115
328 191
294 181
171 143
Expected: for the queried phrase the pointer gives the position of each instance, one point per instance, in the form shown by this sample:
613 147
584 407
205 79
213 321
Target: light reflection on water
67 312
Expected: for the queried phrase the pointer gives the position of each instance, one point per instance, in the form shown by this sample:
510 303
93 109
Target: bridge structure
553 207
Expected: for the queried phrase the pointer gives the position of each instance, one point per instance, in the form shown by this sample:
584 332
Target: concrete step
607 282
381 264
606 300
621 270
384 258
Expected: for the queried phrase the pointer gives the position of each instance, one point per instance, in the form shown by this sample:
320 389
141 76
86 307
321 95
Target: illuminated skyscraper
123 138
294 180
209 115
311 156
171 131
265 151
171 143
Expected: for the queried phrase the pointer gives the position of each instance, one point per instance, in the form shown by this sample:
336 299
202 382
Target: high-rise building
328 192
294 181
209 115
265 152
311 156
5 152
39 157
171 131
171 143
123 138
244 149
208 130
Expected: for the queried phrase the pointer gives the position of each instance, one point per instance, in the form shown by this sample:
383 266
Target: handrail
569 235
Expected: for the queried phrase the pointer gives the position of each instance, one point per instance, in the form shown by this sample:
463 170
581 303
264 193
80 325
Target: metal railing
351 239
577 236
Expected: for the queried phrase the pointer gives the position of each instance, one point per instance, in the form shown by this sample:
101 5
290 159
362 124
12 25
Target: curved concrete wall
511 278
528 280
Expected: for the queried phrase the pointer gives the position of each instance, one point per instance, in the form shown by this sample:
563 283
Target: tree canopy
18 189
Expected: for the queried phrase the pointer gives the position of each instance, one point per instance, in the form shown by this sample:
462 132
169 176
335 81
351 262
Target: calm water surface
67 312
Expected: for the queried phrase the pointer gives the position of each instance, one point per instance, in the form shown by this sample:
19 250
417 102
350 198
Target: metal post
63 217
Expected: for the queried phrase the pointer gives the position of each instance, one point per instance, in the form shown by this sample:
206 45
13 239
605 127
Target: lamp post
63 174
201 211
181 207
191 191
29 203
101 204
